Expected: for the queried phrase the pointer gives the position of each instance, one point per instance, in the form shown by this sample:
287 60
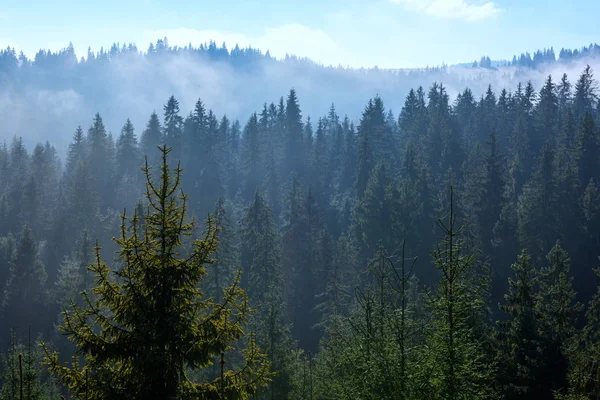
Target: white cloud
459 9
294 39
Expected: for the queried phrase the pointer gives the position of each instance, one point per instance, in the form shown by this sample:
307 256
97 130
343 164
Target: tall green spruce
459 368
520 363
149 321
559 313
262 271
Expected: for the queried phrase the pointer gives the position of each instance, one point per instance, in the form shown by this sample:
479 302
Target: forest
65 89
450 251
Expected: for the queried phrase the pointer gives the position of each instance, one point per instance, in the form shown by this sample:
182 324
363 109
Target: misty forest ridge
235 82
263 228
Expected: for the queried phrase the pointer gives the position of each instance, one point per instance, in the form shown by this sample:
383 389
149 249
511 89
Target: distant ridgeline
540 57
240 57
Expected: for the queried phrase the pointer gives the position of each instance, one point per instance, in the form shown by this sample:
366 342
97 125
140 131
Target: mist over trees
64 89
446 250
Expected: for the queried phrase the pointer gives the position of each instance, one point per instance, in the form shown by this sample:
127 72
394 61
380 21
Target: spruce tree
173 126
559 314
293 136
149 321
24 299
260 254
587 150
585 97
520 359
455 350
221 272
152 137
22 375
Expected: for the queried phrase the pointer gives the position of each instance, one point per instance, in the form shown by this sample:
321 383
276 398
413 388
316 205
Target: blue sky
386 33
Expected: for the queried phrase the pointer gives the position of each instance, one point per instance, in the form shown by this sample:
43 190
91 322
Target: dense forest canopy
446 247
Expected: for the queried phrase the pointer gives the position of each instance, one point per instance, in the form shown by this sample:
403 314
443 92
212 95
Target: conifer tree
536 211
260 254
272 187
100 160
274 335
152 137
221 273
233 160
128 162
460 369
24 296
76 151
559 312
564 93
585 97
128 159
546 113
173 126
73 276
375 220
251 158
520 360
149 321
588 147
293 136
22 373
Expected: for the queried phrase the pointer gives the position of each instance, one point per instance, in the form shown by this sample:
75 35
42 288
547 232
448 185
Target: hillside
44 98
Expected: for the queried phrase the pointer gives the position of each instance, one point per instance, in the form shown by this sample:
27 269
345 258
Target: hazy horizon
66 98
357 33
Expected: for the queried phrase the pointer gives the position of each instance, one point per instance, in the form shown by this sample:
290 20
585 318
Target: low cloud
455 9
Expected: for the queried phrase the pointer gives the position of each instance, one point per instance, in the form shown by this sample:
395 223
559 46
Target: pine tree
293 136
100 160
364 165
460 369
546 113
152 137
260 254
272 187
536 211
128 160
588 147
375 218
274 335
24 297
335 299
173 126
22 373
251 158
520 363
564 93
73 275
221 273
585 97
7 250
152 327
559 312
45 167
302 224
77 150
322 167
233 160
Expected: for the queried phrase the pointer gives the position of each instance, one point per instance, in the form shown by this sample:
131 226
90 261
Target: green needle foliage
148 322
